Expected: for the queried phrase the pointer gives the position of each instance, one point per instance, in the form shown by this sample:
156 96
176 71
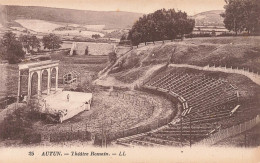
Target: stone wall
9 80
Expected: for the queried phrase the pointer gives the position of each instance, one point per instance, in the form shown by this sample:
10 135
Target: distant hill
209 18
112 19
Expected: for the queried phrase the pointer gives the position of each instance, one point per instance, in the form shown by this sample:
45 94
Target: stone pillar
57 75
29 85
49 81
39 90
19 86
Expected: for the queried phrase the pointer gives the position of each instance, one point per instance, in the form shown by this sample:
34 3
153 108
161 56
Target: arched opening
53 78
44 85
34 84
24 83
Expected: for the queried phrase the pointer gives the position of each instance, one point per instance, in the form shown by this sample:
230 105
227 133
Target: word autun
74 153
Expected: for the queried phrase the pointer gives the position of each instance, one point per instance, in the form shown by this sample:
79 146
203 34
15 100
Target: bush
32 138
44 58
34 115
124 42
98 140
70 136
112 57
132 61
15 125
49 118
227 34
193 35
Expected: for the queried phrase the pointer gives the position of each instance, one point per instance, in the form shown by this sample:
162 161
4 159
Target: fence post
227 132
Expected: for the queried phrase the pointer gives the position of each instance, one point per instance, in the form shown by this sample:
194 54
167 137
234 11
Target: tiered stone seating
161 141
209 100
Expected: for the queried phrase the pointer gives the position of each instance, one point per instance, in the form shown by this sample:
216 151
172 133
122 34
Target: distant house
79 49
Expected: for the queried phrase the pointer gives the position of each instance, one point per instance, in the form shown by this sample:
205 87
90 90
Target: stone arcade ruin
65 104
38 68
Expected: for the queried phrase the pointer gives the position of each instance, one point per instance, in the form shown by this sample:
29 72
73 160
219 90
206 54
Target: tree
96 36
135 37
160 25
15 125
35 43
123 37
29 42
112 57
242 15
251 15
12 48
51 41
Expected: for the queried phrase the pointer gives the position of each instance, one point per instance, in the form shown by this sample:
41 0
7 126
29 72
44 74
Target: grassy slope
230 51
212 18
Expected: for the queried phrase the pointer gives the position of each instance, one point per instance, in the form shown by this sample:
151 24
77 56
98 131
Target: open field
42 26
95 27
38 25
78 33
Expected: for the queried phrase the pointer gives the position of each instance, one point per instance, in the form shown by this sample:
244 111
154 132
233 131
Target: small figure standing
68 97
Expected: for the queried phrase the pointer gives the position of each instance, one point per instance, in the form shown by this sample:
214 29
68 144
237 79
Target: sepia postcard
138 81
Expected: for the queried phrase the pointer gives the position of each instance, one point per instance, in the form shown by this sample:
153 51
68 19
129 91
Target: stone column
57 75
39 91
29 85
49 81
19 86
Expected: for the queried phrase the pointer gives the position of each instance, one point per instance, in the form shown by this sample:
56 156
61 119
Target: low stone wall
93 48
232 131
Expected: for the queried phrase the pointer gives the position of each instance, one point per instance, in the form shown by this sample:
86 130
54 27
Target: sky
141 6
